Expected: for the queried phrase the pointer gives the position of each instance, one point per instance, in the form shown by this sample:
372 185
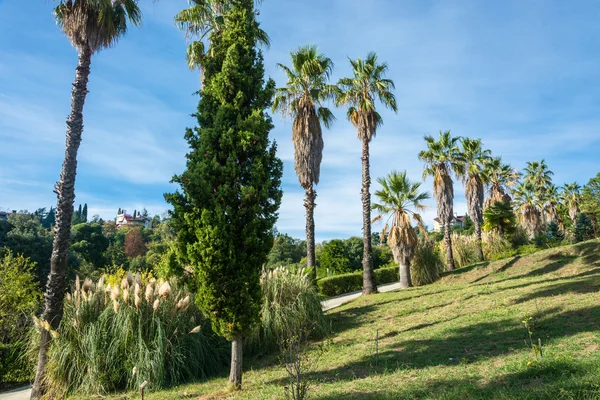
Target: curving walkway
337 301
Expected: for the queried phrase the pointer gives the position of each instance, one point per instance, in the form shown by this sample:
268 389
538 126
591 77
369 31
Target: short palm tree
306 89
537 173
529 207
198 21
571 195
360 93
442 158
552 204
474 158
399 200
499 178
90 25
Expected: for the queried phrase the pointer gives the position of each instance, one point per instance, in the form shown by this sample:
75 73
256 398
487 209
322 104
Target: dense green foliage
225 213
427 265
584 228
351 282
286 250
113 338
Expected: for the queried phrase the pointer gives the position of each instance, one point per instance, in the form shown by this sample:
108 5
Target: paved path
22 393
333 302
337 301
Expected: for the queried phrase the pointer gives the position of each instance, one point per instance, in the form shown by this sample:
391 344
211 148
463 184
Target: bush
584 229
427 265
527 249
290 301
345 283
116 336
495 245
15 368
464 249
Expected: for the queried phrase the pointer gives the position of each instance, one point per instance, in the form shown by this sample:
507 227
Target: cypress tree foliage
230 191
84 213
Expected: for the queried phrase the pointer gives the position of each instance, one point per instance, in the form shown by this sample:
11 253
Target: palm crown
499 176
307 84
96 24
399 199
361 91
473 157
442 157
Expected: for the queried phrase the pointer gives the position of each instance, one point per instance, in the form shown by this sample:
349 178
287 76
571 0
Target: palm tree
499 178
474 158
540 176
202 18
571 195
90 25
441 158
307 87
399 199
529 207
551 205
359 93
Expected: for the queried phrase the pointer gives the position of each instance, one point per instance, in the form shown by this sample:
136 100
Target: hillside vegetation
464 337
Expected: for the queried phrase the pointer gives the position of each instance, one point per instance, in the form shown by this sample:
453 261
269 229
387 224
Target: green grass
460 338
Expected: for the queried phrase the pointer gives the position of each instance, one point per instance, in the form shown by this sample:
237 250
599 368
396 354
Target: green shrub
115 338
345 283
527 249
464 249
495 245
290 301
15 368
427 265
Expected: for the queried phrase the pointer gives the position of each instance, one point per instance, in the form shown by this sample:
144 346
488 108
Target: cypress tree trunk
369 285
235 374
65 191
309 204
448 242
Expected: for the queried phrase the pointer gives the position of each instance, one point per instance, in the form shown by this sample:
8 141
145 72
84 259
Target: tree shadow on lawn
503 268
553 380
581 286
463 345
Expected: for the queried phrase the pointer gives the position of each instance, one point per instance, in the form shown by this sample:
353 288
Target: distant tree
375 238
360 93
41 214
590 200
50 219
499 178
571 195
96 219
442 158
84 213
529 207
230 191
334 258
119 211
89 242
144 212
134 215
286 250
354 251
135 245
553 233
584 229
156 221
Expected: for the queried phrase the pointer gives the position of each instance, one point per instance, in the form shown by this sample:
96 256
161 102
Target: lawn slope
460 338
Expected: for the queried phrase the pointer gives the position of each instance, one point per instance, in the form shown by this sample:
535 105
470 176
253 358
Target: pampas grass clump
106 342
464 249
427 265
290 301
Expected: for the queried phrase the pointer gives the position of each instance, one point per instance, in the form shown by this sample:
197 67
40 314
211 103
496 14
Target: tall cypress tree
230 190
84 213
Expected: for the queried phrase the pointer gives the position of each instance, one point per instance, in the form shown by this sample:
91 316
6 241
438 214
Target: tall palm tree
571 195
306 88
360 93
551 205
529 207
474 158
90 25
537 173
441 159
202 18
499 178
399 200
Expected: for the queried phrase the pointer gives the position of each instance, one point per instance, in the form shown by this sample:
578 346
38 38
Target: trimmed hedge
345 283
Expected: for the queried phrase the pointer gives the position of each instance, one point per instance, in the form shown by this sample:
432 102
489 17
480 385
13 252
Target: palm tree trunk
405 279
479 241
369 285
309 204
448 242
235 374
65 191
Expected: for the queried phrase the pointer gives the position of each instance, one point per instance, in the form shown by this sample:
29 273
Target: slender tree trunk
448 242
369 285
65 191
235 374
479 240
309 204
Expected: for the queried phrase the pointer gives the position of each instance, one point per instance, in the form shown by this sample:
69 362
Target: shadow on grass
463 345
503 268
579 286
554 380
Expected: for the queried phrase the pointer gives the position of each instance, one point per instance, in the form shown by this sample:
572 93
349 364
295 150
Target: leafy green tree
354 251
89 242
360 93
230 191
50 218
474 158
590 200
399 200
442 158
286 250
306 88
84 213
90 25
19 295
334 259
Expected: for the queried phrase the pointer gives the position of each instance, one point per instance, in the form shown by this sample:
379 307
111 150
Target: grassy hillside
460 338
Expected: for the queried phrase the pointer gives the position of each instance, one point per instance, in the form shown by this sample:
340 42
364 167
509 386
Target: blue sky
524 76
